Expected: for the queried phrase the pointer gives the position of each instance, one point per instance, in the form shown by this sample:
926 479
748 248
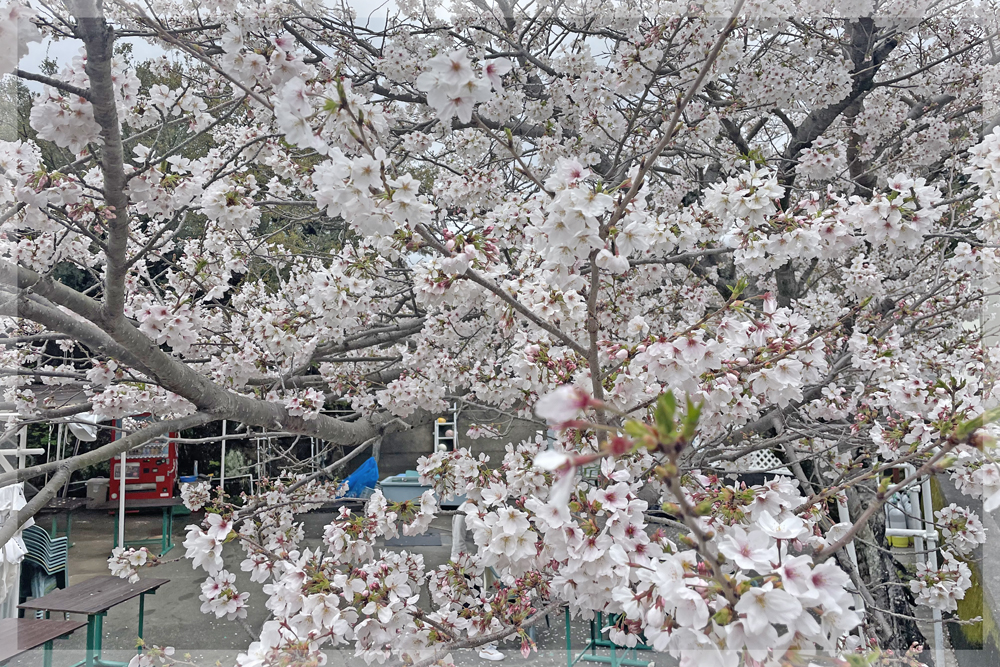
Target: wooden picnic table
94 597
19 635
66 506
166 538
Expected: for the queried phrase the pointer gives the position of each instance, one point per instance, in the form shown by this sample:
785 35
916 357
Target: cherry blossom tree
677 234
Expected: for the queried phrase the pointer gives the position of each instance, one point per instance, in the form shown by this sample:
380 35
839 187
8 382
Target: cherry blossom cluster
961 528
154 656
65 119
195 494
943 587
174 327
124 400
124 562
452 87
16 31
307 405
220 597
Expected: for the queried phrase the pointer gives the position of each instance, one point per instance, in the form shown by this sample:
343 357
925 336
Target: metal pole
222 465
928 513
916 510
48 451
121 501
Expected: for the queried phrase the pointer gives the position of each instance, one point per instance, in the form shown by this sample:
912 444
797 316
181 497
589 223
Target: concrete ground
173 616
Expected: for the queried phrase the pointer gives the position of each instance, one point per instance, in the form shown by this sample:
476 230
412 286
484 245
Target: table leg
55 527
569 649
170 529
69 527
47 654
91 626
115 538
167 531
142 608
100 633
163 531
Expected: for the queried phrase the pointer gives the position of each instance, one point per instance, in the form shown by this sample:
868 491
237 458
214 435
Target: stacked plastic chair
44 566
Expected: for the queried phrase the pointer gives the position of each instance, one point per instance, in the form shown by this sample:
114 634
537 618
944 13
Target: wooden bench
19 635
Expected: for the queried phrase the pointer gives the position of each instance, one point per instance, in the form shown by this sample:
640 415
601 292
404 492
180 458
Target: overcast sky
63 50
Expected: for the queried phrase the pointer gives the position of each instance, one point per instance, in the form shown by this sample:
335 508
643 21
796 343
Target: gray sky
63 50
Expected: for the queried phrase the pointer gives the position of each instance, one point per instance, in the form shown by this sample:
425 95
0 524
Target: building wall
400 450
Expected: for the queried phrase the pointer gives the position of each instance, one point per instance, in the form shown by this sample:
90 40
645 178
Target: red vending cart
150 469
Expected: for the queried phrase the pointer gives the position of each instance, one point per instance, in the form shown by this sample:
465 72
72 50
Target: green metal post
115 543
47 654
91 626
569 648
142 608
99 635
170 530
55 526
163 532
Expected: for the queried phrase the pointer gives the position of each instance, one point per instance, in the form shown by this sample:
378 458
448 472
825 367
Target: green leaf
636 429
738 288
690 426
666 407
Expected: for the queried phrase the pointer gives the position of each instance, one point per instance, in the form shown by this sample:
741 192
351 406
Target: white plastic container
400 488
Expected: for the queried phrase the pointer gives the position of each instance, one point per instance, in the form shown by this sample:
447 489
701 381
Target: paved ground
173 616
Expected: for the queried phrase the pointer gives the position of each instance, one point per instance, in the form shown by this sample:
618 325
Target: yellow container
899 541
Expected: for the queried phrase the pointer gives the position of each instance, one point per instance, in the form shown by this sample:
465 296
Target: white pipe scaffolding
222 463
929 533
20 452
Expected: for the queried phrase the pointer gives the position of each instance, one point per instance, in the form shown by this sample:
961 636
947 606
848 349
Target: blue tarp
365 477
